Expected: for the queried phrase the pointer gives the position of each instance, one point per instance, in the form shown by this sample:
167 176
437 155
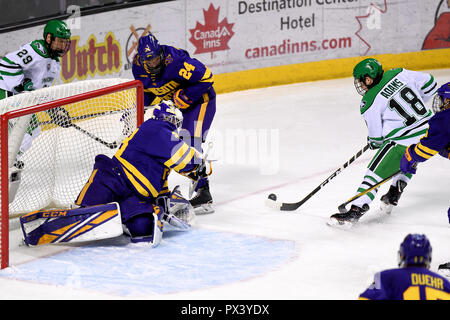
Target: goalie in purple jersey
168 73
437 138
413 280
137 175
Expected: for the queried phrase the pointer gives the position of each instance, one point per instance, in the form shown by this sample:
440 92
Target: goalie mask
60 38
166 111
441 100
415 250
151 55
367 68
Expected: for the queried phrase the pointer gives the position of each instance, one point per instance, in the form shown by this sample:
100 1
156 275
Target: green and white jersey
31 61
395 108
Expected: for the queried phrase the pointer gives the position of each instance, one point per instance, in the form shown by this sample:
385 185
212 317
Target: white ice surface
246 250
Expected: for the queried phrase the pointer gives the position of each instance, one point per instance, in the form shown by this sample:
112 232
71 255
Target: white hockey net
53 137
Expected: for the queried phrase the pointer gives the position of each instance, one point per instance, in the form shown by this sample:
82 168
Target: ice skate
348 218
202 201
390 199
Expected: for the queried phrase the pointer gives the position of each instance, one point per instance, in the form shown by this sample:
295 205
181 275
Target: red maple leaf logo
213 35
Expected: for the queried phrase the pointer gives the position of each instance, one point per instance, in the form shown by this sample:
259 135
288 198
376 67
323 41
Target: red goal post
98 111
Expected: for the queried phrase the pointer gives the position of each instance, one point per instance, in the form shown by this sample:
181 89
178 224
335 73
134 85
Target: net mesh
51 153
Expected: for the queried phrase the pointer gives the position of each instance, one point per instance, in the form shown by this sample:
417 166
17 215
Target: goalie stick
271 200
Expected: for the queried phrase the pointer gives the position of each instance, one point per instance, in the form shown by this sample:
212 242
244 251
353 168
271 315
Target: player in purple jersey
413 280
437 138
136 176
169 73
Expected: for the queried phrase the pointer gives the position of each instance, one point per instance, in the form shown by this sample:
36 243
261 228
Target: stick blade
289 206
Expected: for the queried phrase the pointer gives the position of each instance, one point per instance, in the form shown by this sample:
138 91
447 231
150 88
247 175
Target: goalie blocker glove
199 172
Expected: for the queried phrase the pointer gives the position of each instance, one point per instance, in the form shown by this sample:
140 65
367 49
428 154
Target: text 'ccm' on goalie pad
72 225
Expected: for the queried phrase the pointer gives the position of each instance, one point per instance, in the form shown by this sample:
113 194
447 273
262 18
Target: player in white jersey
34 65
393 107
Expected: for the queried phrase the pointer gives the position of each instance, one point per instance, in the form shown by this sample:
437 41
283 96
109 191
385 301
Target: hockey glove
374 144
181 100
60 117
445 152
408 164
201 171
27 85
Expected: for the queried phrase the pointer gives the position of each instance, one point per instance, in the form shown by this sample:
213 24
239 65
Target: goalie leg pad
179 213
72 225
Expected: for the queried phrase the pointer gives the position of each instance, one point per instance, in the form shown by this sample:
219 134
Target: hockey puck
272 196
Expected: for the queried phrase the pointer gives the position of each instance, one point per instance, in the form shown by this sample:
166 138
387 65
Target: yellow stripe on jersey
85 188
422 153
177 155
132 173
137 179
426 149
207 77
185 161
201 117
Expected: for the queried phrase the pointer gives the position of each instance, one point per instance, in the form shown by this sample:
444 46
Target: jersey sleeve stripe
185 161
428 83
207 77
12 63
11 74
422 154
434 87
177 155
426 149
10 66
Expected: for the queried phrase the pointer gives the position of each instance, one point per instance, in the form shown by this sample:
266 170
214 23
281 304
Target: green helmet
57 28
368 67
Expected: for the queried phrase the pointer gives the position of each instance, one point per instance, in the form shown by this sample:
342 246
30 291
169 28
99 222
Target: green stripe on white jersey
30 61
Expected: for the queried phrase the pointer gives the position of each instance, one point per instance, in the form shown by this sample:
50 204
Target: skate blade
204 209
386 208
335 223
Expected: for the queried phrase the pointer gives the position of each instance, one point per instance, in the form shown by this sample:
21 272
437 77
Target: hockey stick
271 201
111 145
61 117
342 209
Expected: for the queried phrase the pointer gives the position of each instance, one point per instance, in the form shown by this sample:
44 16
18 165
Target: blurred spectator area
24 12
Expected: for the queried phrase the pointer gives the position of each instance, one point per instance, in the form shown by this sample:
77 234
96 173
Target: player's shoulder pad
174 56
136 60
40 48
137 69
